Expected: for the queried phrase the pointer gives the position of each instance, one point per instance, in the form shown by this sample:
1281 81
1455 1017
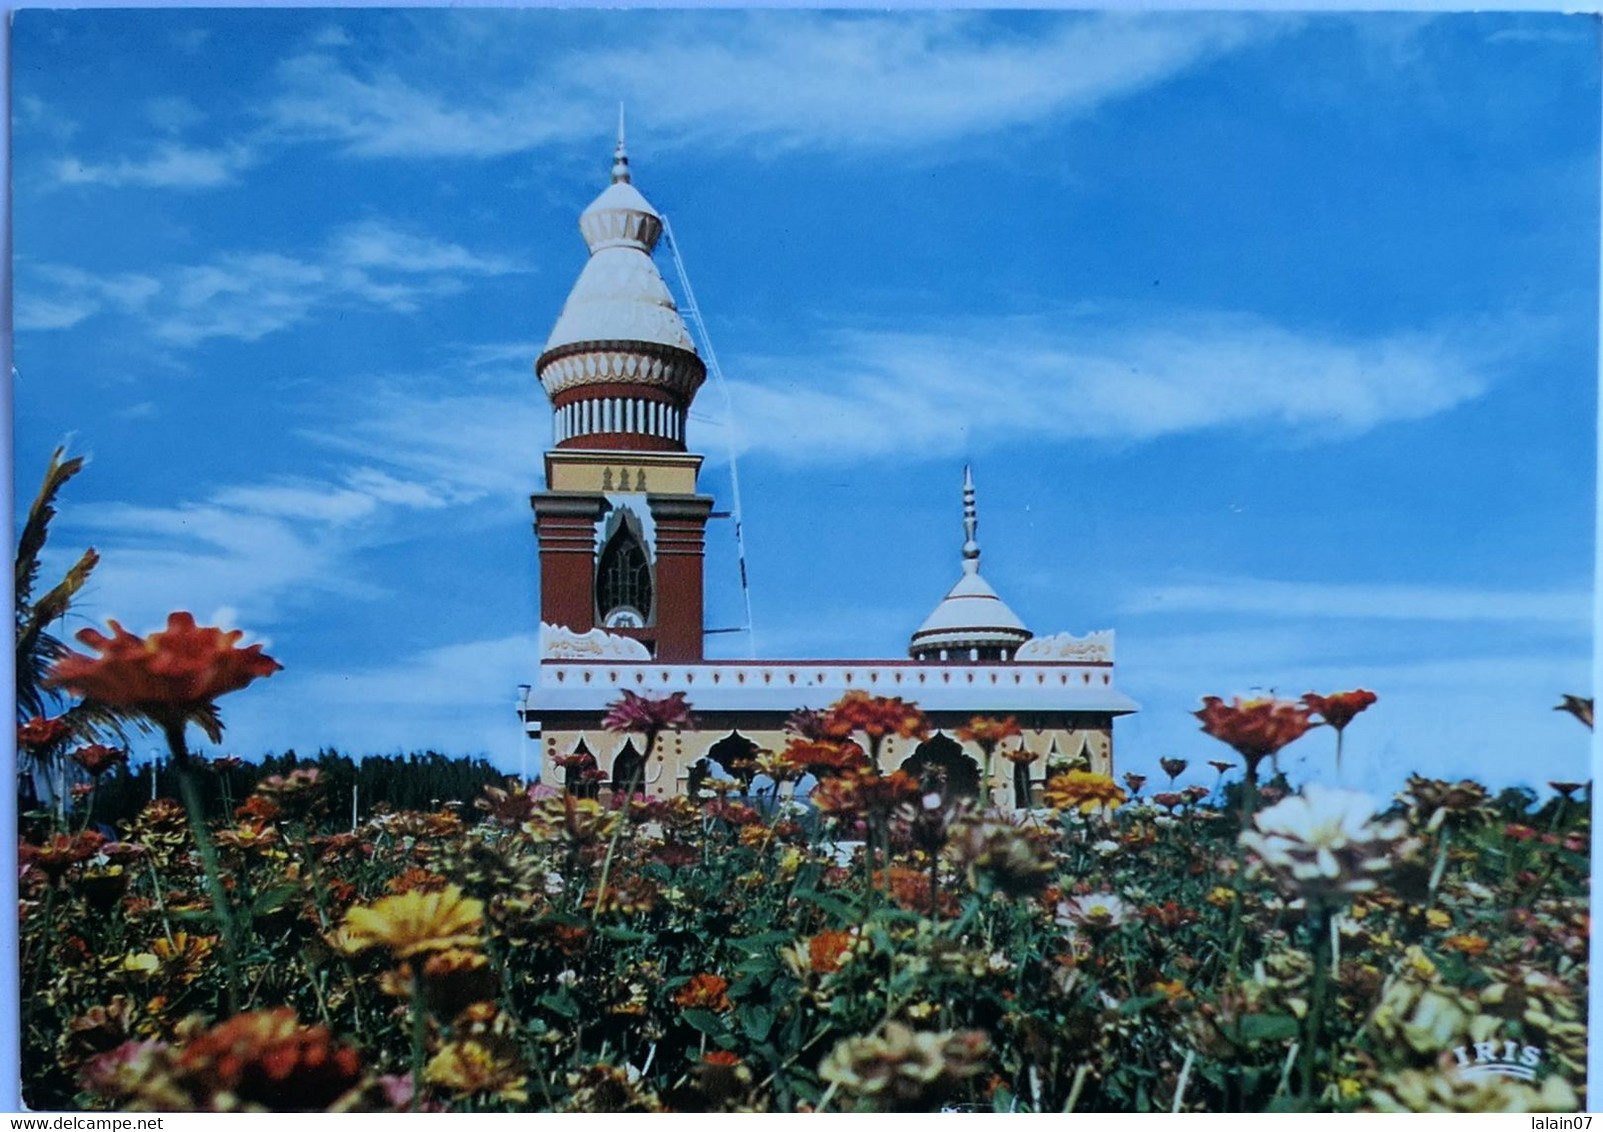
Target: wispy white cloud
983 382
787 78
1382 602
167 165
173 114
52 296
247 295
494 445
251 546
456 697
31 114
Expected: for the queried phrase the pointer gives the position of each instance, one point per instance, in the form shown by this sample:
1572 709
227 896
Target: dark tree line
419 781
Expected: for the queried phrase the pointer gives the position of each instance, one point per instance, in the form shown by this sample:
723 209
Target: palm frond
37 528
37 649
90 721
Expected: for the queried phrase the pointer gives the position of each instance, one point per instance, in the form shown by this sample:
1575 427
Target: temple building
621 532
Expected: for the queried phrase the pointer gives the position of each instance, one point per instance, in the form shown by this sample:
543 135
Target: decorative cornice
621 361
1097 646
560 643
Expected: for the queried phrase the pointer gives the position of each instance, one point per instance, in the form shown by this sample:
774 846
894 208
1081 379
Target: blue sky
1272 340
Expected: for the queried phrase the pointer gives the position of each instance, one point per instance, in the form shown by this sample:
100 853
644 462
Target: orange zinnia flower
827 951
1255 728
1471 945
266 1059
874 716
167 675
1338 708
703 992
988 732
823 757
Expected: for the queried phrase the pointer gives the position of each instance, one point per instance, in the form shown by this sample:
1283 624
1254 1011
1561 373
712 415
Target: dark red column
681 523
565 529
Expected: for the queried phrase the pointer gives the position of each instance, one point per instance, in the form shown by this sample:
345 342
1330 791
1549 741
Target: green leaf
273 899
1267 1028
833 905
560 1003
759 968
762 941
705 1021
623 935
757 1021
1140 1002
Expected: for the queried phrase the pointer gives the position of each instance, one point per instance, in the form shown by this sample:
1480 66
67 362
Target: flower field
814 934
877 945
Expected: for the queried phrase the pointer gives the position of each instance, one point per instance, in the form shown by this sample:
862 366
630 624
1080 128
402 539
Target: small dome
970 616
971 620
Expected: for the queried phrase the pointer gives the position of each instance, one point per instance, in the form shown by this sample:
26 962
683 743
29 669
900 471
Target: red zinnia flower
638 713
1255 728
39 732
703 992
97 759
1135 781
1338 708
167 675
1174 768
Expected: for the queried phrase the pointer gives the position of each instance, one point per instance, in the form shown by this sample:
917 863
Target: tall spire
971 522
620 155
972 622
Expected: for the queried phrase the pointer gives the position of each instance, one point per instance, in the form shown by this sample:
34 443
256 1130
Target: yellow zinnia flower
1081 790
416 922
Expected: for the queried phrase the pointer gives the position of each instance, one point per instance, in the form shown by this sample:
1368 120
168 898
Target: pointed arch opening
941 758
579 762
623 580
736 754
628 769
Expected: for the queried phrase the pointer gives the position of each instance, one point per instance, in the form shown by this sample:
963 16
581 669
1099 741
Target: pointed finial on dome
971 522
620 156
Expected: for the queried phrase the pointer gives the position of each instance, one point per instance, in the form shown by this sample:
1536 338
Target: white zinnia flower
1324 842
1099 911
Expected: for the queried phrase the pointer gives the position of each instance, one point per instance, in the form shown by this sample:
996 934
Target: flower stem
1318 921
623 819
419 1032
189 790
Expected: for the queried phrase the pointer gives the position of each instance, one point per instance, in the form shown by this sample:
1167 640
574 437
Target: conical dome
620 366
971 622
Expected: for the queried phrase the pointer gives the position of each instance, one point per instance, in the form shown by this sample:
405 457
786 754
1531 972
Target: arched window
575 765
623 581
943 759
734 752
629 769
